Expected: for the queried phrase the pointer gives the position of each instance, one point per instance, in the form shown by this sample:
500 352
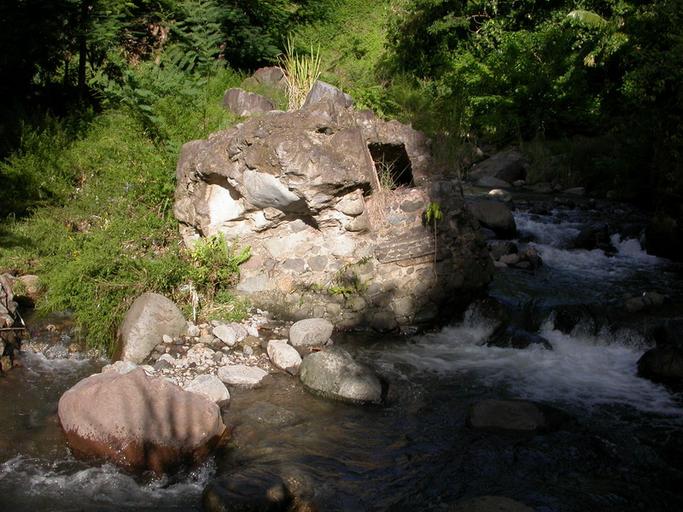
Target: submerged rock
333 373
148 319
489 504
513 337
262 488
139 422
514 416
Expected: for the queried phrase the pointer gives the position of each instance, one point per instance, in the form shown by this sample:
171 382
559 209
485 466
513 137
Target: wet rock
489 504
576 191
269 414
594 237
495 216
243 103
488 311
284 356
253 489
500 195
492 182
324 91
210 387
664 236
508 165
514 416
310 332
107 416
518 338
663 364
148 319
242 375
500 248
333 373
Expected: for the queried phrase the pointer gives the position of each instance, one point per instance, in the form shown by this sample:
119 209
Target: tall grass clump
301 70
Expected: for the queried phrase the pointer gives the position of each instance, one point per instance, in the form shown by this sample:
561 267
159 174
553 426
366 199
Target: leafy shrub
215 264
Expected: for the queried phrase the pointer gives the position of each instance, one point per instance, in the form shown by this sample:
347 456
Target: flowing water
622 451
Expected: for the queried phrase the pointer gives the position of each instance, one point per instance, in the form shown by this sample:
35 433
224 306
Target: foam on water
581 370
103 485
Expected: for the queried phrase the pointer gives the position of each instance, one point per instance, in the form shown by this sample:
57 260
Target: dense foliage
558 69
100 95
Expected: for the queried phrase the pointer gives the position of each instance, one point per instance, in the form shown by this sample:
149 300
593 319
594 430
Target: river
622 451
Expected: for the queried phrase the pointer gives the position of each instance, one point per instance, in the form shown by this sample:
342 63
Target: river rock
260 488
518 338
489 504
310 332
333 373
243 103
284 356
323 91
210 387
501 195
301 189
226 334
509 165
500 248
242 375
31 284
492 182
513 416
139 422
494 215
148 319
663 364
594 237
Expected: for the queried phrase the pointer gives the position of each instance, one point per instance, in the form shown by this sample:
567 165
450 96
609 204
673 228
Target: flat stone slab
241 375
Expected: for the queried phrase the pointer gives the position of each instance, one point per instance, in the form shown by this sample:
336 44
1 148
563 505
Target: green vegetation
301 72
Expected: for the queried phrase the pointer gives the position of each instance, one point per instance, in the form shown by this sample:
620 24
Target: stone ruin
332 202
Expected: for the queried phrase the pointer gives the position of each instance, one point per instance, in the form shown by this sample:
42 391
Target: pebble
167 339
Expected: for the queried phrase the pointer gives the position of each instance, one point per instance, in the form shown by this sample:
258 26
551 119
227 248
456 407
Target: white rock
193 330
240 331
310 332
120 367
252 330
241 375
168 358
226 334
167 339
149 370
209 386
284 356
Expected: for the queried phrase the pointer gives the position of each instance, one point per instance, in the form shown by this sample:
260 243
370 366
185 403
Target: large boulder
663 364
333 373
327 238
148 319
243 103
509 165
495 216
139 422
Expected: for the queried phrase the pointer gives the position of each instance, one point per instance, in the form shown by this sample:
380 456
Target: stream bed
621 451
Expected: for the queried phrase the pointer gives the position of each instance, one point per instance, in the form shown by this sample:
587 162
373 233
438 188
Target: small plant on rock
433 214
215 265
